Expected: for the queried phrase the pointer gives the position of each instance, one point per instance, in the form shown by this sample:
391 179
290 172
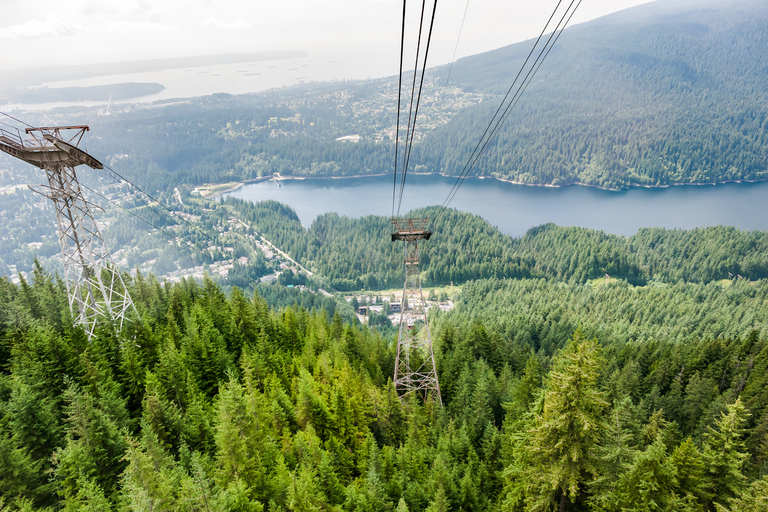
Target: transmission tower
94 286
415 369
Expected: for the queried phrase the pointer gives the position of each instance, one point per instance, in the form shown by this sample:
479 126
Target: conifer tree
725 455
94 449
565 436
690 470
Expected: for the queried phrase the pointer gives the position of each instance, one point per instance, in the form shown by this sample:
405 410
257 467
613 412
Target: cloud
53 26
225 25
130 27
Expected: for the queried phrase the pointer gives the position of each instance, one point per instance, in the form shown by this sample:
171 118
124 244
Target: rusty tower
94 286
415 370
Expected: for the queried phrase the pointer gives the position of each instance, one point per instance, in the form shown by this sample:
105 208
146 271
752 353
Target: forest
579 371
209 401
116 92
356 253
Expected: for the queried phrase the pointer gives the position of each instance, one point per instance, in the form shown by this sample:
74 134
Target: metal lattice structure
415 370
94 285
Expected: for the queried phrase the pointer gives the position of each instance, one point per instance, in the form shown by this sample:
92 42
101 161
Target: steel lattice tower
415 369
94 286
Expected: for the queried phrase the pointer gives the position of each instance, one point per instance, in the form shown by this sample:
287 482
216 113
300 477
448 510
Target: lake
516 208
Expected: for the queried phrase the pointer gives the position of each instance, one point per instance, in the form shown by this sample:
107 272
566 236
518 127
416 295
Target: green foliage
215 402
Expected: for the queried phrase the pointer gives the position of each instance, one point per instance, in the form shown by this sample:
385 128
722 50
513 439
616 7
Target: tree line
357 253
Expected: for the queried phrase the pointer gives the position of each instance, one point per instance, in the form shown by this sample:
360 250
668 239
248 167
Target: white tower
94 286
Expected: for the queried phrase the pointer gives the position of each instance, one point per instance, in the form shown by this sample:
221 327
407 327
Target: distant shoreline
279 177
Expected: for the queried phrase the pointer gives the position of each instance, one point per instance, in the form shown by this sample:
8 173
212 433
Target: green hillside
668 92
217 403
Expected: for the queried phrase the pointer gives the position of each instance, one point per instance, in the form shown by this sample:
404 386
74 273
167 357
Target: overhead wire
17 120
412 125
117 177
418 100
399 94
9 125
455 48
169 235
501 104
501 115
404 169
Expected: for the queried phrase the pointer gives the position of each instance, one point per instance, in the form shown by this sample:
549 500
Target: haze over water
516 208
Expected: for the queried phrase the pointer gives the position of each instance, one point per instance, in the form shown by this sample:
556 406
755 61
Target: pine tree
690 469
725 455
649 483
564 439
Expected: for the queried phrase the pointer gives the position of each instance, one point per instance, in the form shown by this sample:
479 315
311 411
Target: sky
51 32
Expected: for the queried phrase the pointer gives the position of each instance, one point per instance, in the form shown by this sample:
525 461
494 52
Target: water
516 208
240 78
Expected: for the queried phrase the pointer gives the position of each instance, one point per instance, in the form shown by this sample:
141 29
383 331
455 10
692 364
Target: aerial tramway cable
399 94
418 100
170 236
404 168
502 112
413 111
117 177
455 48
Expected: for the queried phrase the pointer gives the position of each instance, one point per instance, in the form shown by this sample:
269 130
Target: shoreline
278 177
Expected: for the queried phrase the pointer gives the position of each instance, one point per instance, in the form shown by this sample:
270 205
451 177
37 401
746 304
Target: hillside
217 403
668 92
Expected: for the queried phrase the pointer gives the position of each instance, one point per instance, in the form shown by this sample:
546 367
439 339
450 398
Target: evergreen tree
564 438
724 455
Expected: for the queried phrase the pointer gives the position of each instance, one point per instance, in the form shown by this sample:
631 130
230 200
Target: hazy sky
51 32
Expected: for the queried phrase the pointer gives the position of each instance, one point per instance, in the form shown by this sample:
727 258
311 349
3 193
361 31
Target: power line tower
94 286
415 369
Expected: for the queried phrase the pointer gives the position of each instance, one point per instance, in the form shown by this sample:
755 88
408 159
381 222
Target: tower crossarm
410 230
48 148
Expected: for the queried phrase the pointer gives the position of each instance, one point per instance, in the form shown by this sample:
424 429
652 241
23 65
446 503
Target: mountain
667 92
664 93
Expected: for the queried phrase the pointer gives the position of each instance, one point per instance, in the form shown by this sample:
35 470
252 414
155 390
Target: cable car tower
94 286
415 370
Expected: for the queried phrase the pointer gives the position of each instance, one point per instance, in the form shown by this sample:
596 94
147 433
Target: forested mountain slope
667 92
357 253
217 403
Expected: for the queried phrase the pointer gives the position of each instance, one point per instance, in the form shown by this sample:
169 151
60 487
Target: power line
500 118
399 94
169 235
412 126
455 48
